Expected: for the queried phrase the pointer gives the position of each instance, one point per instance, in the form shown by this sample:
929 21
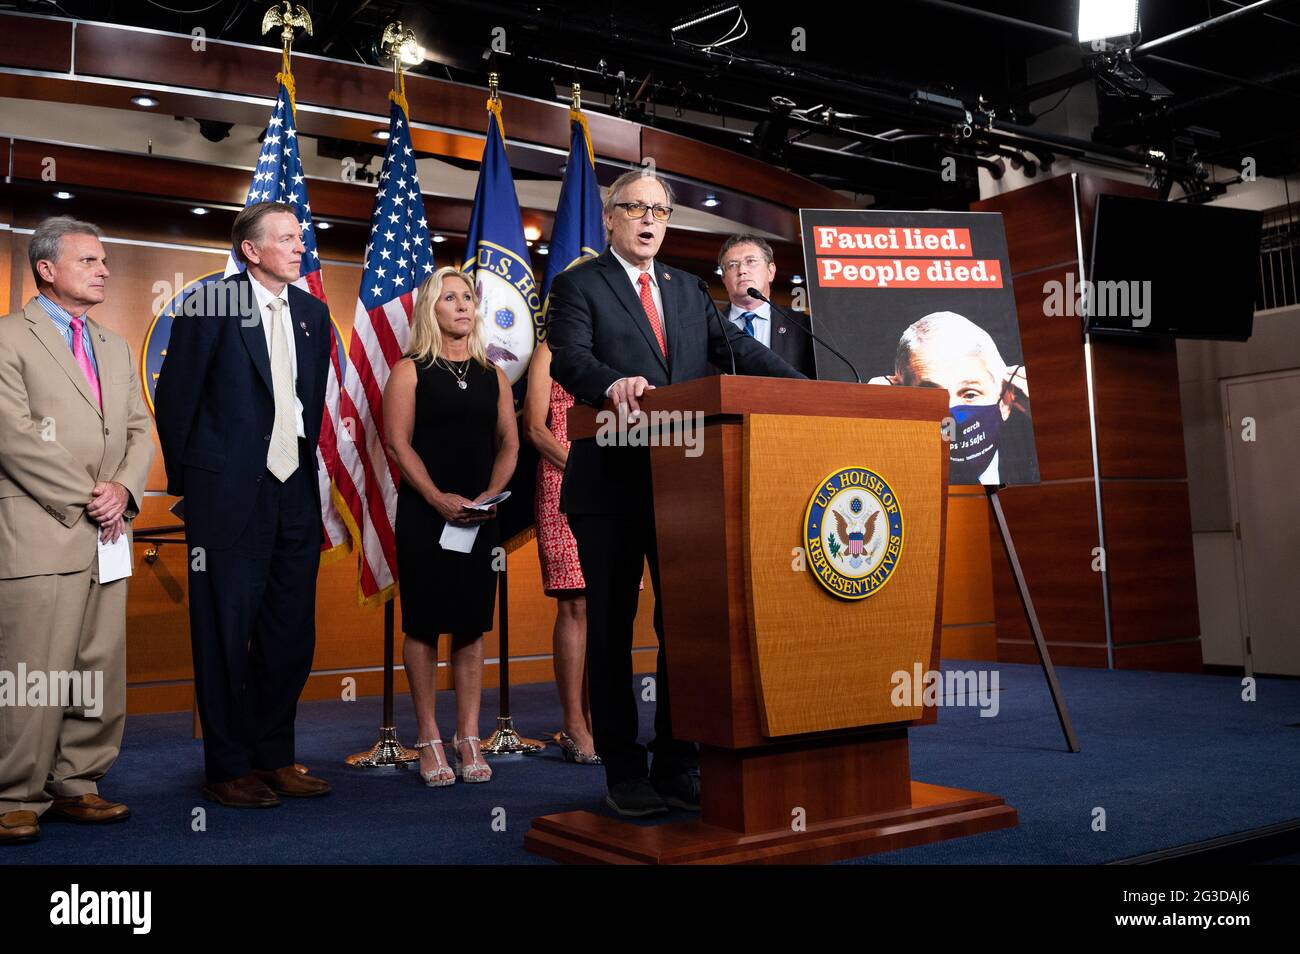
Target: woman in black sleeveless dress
450 425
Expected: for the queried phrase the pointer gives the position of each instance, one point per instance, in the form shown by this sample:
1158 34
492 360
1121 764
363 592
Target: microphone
757 295
722 326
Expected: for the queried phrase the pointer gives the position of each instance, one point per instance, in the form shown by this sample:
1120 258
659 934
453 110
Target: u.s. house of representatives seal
511 307
853 533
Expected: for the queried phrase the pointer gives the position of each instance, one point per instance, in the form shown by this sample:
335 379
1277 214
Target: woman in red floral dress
546 408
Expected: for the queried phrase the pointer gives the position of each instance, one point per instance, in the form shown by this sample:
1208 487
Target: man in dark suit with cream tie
238 405
619 325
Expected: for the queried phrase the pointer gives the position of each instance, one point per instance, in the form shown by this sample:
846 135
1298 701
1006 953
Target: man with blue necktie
746 262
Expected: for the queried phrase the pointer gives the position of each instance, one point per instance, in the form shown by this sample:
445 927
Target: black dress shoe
635 798
679 791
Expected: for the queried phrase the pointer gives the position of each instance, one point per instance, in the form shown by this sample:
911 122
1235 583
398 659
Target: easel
1044 657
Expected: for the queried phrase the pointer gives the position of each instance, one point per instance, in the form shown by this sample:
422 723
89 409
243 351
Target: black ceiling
1235 89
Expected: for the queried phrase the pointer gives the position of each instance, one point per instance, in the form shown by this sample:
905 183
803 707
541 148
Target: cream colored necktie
282 457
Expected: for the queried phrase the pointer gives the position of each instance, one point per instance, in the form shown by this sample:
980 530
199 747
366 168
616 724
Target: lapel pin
303 326
781 330
667 277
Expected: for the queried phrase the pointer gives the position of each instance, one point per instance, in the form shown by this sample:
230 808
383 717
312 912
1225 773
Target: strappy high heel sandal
475 770
570 751
443 775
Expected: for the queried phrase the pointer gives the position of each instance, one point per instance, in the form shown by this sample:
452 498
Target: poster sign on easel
924 299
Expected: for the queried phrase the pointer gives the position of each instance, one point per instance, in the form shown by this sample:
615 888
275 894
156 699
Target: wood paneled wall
1139 471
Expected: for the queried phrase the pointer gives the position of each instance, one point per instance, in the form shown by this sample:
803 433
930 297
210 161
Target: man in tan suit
75 450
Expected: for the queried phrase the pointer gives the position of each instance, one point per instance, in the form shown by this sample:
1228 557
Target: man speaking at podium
619 325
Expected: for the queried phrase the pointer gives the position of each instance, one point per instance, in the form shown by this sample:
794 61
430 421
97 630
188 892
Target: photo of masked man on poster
988 398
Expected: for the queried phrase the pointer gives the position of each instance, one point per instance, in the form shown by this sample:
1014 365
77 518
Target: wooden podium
790 685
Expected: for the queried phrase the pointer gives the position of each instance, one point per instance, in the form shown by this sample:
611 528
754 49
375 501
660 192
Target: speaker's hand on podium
627 390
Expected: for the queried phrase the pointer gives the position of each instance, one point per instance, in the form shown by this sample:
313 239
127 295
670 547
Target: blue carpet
1171 759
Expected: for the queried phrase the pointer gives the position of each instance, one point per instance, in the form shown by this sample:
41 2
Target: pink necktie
83 360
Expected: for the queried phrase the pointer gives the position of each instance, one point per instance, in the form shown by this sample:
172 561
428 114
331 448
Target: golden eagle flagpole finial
287 19
400 44
576 104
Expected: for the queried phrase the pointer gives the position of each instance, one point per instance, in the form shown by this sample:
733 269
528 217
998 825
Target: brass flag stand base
505 740
387 753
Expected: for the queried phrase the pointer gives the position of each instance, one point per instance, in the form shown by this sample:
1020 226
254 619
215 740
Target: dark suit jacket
214 406
791 344
598 333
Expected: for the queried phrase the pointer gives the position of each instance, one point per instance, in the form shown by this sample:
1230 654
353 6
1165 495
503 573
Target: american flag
279 178
398 258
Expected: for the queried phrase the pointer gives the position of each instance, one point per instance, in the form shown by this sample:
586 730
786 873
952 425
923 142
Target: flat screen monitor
1171 269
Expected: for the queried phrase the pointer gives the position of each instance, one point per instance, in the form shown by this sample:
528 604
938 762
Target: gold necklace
458 375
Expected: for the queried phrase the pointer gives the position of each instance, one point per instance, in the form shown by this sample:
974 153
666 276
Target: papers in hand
115 559
459 538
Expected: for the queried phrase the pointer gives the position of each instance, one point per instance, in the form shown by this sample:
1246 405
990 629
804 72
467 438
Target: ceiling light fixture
1107 24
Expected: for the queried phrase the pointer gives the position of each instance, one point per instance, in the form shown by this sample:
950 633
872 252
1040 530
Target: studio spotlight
412 53
63 195
711 201
543 248
380 134
439 239
1108 24
796 279
214 131
324 225
199 210
145 102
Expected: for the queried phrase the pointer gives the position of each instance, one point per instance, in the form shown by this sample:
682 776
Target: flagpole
388 753
504 740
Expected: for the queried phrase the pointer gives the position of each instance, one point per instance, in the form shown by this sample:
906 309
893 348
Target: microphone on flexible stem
757 295
704 287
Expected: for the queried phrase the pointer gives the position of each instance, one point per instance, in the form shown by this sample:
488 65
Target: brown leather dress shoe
243 792
292 783
17 827
87 809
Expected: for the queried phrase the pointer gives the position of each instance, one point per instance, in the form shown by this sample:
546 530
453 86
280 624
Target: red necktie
83 360
648 303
